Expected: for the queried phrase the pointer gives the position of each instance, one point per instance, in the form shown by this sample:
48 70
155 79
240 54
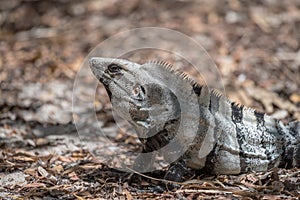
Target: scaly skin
216 134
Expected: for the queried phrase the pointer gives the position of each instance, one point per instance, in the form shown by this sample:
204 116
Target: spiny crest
195 84
236 104
252 110
180 74
245 109
217 93
164 64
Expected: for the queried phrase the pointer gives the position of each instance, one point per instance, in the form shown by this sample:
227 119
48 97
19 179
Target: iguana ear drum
156 98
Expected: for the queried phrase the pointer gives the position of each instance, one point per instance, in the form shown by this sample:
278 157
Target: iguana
229 138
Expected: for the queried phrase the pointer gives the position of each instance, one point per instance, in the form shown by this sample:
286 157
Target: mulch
256 46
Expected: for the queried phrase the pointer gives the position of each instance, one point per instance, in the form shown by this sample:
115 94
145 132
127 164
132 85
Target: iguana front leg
175 173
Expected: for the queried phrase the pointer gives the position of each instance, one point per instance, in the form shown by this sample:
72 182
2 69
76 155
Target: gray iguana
161 102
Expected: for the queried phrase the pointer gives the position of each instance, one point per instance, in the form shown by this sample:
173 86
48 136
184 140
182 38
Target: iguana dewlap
230 138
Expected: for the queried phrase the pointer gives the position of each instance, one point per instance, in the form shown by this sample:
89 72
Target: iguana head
136 94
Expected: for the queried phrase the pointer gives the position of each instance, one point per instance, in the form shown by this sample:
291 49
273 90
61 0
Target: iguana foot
176 173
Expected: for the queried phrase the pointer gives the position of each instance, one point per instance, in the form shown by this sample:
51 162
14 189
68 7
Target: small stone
16 178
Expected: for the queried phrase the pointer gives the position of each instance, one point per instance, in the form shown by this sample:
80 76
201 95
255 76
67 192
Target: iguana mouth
107 81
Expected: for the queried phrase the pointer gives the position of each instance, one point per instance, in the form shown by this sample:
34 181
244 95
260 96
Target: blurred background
255 44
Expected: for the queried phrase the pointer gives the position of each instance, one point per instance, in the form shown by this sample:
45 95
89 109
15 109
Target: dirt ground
255 44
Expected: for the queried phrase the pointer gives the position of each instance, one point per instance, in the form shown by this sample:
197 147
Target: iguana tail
291 156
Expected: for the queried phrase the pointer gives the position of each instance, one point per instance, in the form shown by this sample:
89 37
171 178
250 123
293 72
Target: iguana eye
113 68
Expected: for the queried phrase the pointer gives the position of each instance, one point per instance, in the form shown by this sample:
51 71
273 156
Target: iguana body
161 102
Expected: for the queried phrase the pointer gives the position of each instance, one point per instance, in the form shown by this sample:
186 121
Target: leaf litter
254 44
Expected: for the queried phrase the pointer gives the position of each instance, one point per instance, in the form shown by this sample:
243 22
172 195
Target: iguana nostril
92 61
